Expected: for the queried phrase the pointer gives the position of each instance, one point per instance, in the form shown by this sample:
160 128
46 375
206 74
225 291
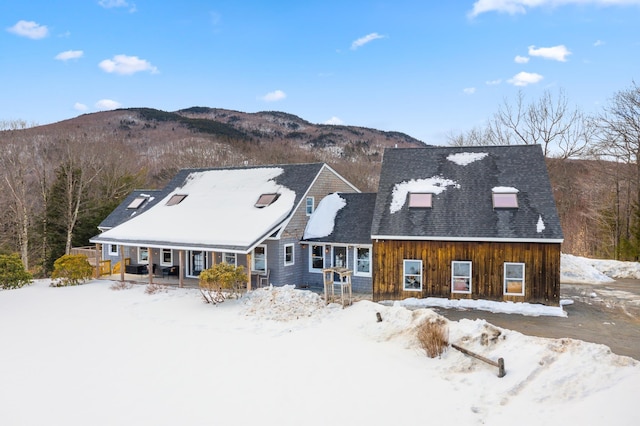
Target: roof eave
470 239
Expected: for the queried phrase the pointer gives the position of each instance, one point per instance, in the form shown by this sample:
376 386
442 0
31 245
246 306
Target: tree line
592 161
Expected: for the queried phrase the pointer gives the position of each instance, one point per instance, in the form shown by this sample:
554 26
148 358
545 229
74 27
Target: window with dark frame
266 199
420 200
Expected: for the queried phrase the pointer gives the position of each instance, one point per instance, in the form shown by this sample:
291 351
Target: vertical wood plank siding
542 269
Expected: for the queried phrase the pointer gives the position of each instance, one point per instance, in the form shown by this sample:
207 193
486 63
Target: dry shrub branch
433 336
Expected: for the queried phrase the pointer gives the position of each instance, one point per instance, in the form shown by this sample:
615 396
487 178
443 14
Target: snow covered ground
92 355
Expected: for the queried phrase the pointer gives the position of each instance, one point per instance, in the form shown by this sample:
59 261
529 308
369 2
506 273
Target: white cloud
80 107
493 82
364 40
29 29
469 90
521 59
69 54
525 78
109 4
556 53
513 7
107 104
334 120
125 65
276 95
598 43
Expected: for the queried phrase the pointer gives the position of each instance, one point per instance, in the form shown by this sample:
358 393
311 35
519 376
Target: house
338 234
250 216
451 222
466 222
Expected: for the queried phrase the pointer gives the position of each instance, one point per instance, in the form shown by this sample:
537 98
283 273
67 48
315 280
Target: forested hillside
60 180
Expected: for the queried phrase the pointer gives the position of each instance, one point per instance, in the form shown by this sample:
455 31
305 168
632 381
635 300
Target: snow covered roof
219 210
464 183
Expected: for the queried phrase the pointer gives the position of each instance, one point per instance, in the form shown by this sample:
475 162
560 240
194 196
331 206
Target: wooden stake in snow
499 364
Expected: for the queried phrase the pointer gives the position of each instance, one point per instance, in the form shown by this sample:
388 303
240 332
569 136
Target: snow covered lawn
90 355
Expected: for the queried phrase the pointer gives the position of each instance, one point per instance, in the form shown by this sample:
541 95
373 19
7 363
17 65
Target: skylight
505 200
266 200
137 202
420 199
176 199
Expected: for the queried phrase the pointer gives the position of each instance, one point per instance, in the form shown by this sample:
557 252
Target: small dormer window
176 199
266 199
420 200
136 203
505 200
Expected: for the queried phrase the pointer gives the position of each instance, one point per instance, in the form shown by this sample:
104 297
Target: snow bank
91 355
579 270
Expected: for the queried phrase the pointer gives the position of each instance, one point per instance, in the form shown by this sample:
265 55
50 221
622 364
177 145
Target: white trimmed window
309 206
412 275
362 261
289 255
230 258
143 255
259 259
166 257
514 279
113 249
461 277
316 258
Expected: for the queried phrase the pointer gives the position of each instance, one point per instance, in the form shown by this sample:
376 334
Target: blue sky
425 68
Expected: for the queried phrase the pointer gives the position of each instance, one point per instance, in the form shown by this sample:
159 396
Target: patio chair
263 280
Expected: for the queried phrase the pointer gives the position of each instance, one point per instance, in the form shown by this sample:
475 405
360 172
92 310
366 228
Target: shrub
121 285
433 335
155 288
220 280
12 272
71 269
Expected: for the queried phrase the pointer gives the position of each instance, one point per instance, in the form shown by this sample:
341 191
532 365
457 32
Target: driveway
605 313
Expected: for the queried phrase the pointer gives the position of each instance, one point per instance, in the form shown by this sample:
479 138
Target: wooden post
499 364
248 271
150 265
180 268
98 259
122 265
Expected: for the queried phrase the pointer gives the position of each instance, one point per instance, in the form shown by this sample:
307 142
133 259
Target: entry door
338 259
197 262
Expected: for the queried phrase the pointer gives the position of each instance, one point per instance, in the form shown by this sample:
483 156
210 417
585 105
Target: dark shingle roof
464 210
353 222
121 213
